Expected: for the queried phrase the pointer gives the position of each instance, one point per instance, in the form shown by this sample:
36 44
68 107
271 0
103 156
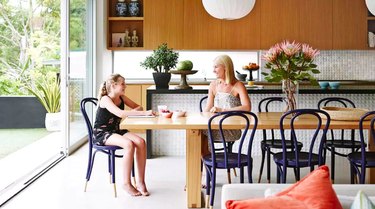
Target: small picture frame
116 42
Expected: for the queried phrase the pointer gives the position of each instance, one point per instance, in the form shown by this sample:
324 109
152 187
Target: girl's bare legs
140 155
128 146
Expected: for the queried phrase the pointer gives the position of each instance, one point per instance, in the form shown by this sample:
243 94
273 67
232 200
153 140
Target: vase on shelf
134 8
121 8
290 91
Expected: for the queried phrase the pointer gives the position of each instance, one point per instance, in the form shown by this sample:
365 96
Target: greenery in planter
162 60
46 88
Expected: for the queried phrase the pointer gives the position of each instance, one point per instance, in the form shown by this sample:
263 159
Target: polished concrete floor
62 186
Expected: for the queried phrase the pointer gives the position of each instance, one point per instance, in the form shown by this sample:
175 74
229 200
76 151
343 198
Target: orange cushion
313 192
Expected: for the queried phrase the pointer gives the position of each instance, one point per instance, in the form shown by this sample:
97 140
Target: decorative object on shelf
121 8
183 83
116 37
290 63
134 8
251 68
371 6
228 10
371 39
161 61
127 38
134 39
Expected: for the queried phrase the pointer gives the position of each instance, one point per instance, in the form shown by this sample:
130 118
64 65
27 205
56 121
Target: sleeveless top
106 124
226 100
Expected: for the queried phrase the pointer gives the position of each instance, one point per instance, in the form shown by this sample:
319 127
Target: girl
112 101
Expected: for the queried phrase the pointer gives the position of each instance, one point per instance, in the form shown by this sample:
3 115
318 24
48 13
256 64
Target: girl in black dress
111 109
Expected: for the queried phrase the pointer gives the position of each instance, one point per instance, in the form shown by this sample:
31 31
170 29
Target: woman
224 94
112 102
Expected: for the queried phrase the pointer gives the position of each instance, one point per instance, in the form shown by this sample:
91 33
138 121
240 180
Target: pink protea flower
272 53
290 49
309 52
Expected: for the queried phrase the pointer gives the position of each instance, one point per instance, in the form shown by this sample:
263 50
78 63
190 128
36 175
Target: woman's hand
216 109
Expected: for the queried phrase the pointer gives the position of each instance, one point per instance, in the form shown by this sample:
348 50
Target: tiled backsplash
346 65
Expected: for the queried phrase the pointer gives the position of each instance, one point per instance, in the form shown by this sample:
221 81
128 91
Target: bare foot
131 190
141 187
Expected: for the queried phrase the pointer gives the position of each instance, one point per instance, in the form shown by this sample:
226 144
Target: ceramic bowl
179 113
323 84
241 77
167 114
334 84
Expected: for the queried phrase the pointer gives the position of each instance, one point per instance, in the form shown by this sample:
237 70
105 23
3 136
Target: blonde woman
111 109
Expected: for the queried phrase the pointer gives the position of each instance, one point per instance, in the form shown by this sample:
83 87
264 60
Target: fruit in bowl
251 66
166 113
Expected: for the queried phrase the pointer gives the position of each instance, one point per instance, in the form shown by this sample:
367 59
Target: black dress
107 124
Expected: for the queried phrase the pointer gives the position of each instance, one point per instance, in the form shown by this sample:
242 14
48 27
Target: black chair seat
355 157
277 144
343 144
291 161
220 159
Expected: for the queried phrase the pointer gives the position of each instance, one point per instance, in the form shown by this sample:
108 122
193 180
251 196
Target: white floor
62 187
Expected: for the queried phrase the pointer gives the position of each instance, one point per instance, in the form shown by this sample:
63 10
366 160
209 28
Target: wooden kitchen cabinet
349 24
279 20
134 92
316 23
201 31
243 33
164 23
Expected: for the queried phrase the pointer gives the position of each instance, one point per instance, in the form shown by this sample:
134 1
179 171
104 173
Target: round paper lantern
371 6
228 9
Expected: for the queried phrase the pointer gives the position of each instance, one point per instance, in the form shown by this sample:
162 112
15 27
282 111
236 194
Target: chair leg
208 187
113 170
333 164
133 176
228 175
213 182
268 152
262 164
234 172
242 175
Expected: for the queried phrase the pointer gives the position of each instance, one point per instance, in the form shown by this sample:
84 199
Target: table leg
370 175
193 168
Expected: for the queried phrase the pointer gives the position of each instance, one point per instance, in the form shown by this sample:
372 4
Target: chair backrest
239 117
93 102
337 102
264 106
323 120
201 102
366 116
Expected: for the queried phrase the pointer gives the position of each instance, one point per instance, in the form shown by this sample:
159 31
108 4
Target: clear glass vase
290 92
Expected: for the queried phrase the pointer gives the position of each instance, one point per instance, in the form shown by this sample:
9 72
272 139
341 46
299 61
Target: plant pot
161 80
53 121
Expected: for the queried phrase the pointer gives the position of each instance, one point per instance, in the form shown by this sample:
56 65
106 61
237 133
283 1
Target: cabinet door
349 24
201 31
316 23
243 33
163 23
279 21
134 92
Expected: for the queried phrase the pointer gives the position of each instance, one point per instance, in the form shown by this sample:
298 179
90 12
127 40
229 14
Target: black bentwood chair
341 141
299 159
93 148
221 158
202 102
359 161
269 141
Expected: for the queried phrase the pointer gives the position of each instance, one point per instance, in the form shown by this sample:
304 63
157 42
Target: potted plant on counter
161 61
46 88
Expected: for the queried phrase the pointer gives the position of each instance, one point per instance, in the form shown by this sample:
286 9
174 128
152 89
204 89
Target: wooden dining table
194 123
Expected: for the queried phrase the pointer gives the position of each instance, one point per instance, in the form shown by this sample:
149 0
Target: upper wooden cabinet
201 31
349 24
279 20
316 23
163 23
243 33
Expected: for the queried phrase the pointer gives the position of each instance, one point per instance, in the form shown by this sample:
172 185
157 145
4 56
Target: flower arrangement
290 62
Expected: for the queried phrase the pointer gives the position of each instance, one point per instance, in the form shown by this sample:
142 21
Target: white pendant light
229 9
371 6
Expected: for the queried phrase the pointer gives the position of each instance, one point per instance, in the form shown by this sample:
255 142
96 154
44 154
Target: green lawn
12 140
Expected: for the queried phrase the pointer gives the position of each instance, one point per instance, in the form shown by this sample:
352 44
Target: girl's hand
149 112
139 108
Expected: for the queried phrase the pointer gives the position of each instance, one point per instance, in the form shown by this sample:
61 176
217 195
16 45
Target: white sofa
345 192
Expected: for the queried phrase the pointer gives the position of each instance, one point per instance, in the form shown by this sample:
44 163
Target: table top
198 121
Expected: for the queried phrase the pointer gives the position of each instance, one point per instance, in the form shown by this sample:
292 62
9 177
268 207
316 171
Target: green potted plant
46 88
161 61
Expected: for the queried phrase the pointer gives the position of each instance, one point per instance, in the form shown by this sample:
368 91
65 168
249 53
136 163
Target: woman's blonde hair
105 87
226 61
